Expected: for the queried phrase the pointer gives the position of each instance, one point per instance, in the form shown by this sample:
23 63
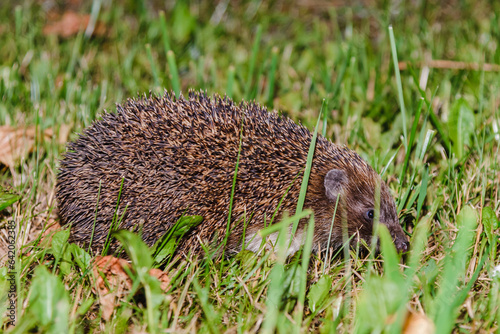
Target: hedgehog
159 158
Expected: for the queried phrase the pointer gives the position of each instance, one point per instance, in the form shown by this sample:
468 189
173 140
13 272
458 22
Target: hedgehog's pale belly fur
178 157
253 242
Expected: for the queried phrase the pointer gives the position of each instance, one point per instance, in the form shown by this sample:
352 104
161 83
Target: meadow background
420 102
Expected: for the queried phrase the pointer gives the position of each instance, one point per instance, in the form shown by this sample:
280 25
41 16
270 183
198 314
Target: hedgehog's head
357 204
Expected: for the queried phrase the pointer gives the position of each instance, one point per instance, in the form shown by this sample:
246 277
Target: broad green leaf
154 298
184 224
291 280
391 259
318 292
7 199
490 222
167 244
140 254
49 301
167 250
80 256
138 251
380 300
419 241
59 241
461 125
454 271
66 262
85 306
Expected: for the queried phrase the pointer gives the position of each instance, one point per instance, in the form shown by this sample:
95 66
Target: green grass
440 156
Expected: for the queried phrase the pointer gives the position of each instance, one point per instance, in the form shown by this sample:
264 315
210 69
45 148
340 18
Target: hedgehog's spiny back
178 156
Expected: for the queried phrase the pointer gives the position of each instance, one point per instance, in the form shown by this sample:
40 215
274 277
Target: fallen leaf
64 131
70 24
162 277
112 281
16 143
418 323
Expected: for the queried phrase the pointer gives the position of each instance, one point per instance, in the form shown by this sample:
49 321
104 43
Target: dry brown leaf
70 24
162 277
16 143
418 323
112 281
64 131
109 273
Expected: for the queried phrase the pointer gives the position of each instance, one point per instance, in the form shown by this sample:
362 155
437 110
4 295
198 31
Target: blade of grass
230 82
333 95
174 74
276 288
390 255
285 221
18 14
271 76
427 141
154 70
253 60
94 14
164 32
112 226
307 170
74 54
432 117
376 223
348 85
454 271
306 256
418 243
391 159
207 308
399 85
95 218
413 132
423 190
327 259
233 189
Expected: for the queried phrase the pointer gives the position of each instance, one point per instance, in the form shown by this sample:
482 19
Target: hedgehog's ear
334 182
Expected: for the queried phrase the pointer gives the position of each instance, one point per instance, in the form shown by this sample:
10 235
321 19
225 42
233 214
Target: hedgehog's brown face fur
356 194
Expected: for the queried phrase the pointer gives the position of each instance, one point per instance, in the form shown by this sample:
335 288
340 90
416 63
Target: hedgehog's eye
369 214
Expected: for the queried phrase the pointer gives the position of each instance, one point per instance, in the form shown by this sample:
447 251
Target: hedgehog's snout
400 240
402 245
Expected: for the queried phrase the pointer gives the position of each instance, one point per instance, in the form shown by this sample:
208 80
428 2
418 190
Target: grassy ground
439 155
